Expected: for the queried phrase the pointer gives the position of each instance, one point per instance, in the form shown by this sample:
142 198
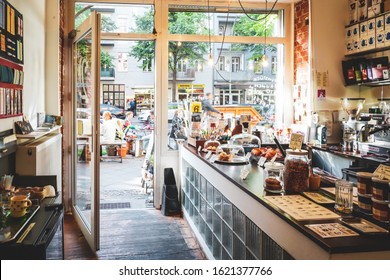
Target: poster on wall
11 33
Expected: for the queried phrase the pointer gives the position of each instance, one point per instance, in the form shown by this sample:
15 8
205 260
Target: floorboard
127 234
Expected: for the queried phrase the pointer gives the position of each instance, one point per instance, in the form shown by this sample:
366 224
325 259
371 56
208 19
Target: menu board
301 208
11 33
332 230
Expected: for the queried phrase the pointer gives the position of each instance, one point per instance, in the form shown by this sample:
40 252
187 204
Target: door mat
115 205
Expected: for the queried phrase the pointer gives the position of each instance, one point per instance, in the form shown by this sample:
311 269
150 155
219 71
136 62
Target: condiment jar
273 177
381 189
296 171
364 182
381 210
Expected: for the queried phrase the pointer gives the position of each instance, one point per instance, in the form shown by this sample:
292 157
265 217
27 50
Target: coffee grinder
352 106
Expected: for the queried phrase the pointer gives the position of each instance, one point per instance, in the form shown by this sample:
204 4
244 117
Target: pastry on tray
224 156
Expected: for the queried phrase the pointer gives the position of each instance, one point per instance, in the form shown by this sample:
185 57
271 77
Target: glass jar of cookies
296 171
273 177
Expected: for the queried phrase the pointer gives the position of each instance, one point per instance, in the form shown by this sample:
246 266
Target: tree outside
179 23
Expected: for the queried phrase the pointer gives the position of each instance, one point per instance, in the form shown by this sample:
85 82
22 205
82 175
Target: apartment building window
114 94
221 29
198 66
235 64
146 65
258 67
122 23
221 63
274 65
182 66
122 62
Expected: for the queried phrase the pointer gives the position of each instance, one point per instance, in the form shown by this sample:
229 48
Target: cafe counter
234 218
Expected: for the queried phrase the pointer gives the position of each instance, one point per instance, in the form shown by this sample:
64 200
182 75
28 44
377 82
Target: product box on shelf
387 20
363 28
371 25
353 11
371 38
375 9
380 39
362 9
387 38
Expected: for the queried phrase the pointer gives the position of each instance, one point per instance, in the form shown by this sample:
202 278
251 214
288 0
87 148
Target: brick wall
301 42
301 61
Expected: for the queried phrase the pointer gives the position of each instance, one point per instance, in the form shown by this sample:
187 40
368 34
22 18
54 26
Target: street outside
120 182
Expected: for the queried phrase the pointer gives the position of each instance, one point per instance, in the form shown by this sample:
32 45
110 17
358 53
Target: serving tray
13 226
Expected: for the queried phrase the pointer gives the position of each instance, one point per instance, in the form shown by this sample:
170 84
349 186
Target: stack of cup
381 199
365 186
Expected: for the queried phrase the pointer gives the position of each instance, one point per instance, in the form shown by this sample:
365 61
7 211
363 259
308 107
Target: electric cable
259 19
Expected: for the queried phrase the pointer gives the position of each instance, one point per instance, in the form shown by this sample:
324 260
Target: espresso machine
377 132
352 127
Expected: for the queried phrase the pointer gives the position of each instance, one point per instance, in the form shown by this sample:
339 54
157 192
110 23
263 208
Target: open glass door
86 120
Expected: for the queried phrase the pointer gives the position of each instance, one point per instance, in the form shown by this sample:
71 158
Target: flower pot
123 151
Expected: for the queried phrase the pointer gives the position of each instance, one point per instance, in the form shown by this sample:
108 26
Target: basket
111 150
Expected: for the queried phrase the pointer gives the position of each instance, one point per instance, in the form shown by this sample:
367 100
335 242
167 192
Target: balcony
189 75
107 74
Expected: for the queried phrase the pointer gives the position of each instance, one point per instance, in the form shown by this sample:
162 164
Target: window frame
162 37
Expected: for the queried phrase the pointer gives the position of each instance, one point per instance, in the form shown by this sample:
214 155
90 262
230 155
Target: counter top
254 188
351 155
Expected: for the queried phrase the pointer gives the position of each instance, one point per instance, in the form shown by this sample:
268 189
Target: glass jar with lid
296 171
273 177
246 140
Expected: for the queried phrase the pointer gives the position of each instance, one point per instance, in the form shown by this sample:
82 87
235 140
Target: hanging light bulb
210 62
179 44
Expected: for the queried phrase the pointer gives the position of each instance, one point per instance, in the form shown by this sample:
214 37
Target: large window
233 38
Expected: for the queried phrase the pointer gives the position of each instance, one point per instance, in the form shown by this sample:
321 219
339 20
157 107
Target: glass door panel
86 155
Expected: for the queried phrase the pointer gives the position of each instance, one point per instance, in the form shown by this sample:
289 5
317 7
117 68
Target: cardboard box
375 10
371 38
348 47
363 28
387 20
380 23
363 43
362 9
387 38
353 11
380 39
371 25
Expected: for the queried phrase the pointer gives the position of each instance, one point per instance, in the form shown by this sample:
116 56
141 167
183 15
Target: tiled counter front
233 219
225 230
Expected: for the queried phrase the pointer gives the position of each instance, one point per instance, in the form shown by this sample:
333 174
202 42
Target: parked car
115 111
145 115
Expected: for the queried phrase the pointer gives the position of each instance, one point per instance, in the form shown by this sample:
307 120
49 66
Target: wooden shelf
372 51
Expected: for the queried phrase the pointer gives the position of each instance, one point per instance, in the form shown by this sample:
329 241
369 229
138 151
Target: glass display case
246 140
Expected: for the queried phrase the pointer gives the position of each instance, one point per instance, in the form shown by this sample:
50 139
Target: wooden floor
128 234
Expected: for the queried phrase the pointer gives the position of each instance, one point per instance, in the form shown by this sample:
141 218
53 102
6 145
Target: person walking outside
207 105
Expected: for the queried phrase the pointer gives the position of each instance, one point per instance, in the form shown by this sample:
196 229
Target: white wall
52 91
327 31
33 12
